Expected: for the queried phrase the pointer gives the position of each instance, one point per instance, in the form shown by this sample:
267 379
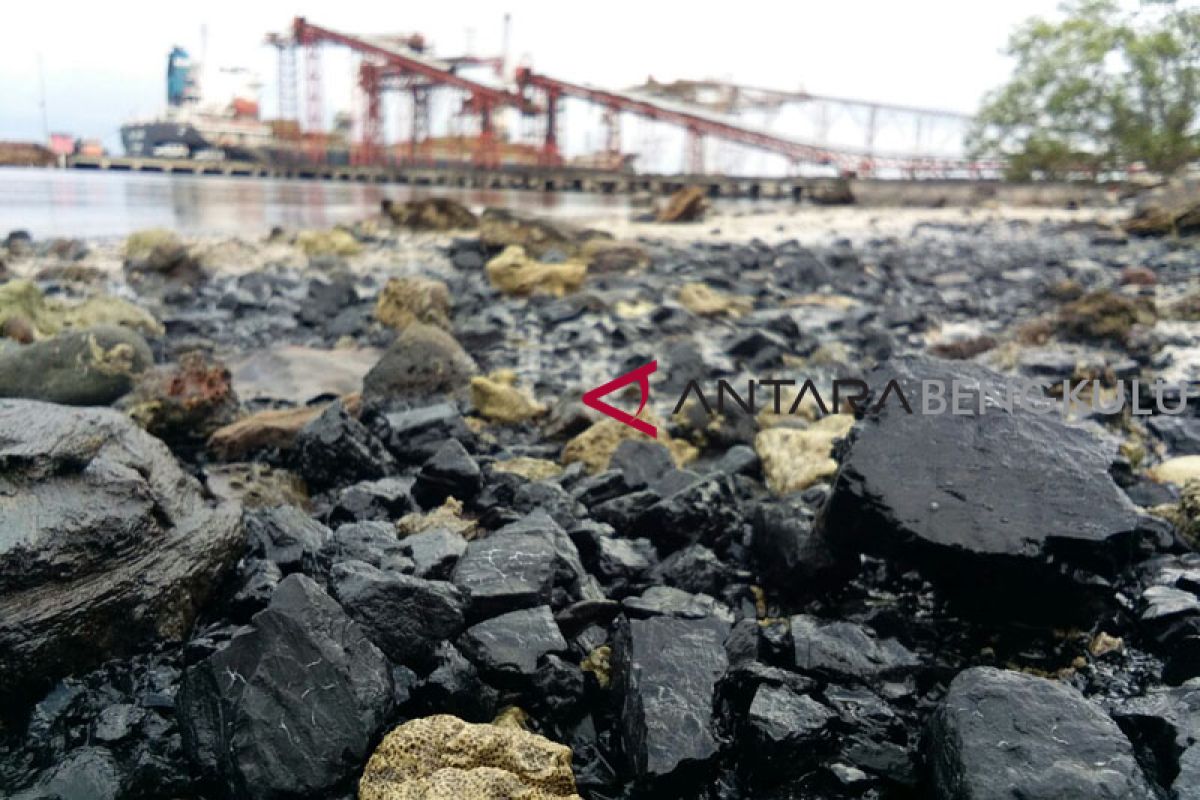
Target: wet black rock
519 566
454 687
108 545
291 707
383 499
1016 511
671 602
694 569
1001 734
508 648
783 724
286 536
1164 726
414 435
374 543
792 557
434 552
406 617
618 562
694 509
449 472
335 449
665 672
88 773
257 579
844 650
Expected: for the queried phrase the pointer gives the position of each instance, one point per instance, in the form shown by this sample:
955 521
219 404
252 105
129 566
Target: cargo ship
191 127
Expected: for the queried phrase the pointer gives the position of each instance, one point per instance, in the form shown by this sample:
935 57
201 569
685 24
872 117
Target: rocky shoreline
323 515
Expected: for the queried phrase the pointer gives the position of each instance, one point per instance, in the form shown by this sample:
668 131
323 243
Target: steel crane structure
391 63
384 58
700 123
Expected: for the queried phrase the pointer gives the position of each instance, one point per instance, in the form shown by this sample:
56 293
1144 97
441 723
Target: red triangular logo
642 376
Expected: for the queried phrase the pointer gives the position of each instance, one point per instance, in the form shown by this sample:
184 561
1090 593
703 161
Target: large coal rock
106 545
508 647
519 566
406 617
665 672
1001 734
291 706
1015 509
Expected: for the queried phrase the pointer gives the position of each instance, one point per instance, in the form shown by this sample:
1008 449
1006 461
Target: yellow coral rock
496 398
531 469
705 301
512 272
443 758
795 458
404 301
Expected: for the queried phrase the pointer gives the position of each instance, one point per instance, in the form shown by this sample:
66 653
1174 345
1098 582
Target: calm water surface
53 202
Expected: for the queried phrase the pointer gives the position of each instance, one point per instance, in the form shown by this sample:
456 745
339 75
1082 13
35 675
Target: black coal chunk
434 552
509 647
665 672
1014 511
518 566
292 705
372 542
335 449
384 499
1164 726
454 687
449 472
847 650
287 536
406 617
792 558
1001 734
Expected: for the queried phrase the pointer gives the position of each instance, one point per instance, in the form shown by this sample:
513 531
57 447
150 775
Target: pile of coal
341 526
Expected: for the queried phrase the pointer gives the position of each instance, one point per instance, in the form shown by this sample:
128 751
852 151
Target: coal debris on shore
346 529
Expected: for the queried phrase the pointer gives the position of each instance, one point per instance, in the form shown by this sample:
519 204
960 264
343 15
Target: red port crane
394 57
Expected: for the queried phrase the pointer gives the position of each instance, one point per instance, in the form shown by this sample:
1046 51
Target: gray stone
89 367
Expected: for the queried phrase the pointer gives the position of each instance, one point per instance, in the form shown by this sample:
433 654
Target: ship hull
147 139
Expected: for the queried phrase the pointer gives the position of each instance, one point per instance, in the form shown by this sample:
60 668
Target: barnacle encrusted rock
705 301
794 459
444 758
406 300
513 272
496 397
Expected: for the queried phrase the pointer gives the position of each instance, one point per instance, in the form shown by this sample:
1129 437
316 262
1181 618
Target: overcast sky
105 61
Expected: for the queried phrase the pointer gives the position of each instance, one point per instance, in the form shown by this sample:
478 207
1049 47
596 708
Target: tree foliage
1104 87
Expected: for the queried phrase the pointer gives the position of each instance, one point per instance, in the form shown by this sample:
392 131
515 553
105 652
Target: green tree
1101 88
